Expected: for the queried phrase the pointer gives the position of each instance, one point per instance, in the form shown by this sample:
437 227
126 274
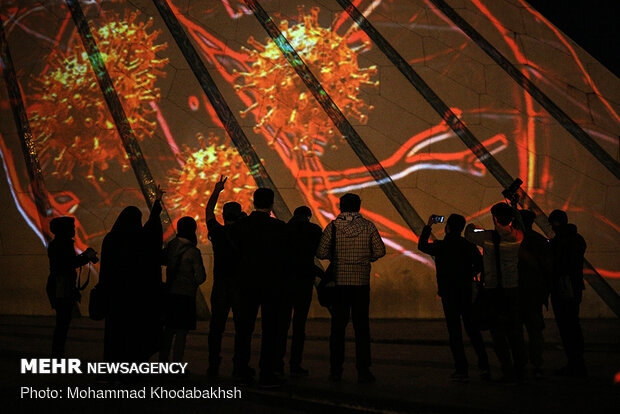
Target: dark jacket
534 269
302 240
261 242
225 254
568 249
185 271
63 262
457 262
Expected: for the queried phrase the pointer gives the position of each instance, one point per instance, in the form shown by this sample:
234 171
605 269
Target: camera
511 193
437 219
91 254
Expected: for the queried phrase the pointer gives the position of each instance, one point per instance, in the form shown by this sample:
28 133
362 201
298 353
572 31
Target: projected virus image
87 172
285 106
68 111
190 185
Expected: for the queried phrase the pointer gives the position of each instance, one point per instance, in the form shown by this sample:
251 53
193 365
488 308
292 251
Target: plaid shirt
357 245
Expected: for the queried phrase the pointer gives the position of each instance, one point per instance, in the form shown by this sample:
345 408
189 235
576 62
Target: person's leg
561 313
270 336
453 322
576 343
303 299
475 336
340 318
248 311
235 298
179 344
64 309
220 307
514 331
534 324
360 305
284 320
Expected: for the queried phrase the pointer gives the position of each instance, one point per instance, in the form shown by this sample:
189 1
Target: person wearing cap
62 288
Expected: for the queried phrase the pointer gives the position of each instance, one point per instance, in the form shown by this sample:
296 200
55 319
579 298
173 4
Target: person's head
231 212
558 220
128 222
303 212
186 228
63 227
455 224
502 215
350 203
263 199
528 219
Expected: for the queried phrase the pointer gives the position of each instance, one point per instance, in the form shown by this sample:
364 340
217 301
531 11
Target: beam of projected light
31 157
600 285
132 147
232 127
396 197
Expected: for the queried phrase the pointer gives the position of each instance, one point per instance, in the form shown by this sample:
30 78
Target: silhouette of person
357 245
534 287
568 248
225 292
302 240
63 286
260 240
458 262
130 278
185 272
500 256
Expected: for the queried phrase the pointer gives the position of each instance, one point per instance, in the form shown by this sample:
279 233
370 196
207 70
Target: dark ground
411 360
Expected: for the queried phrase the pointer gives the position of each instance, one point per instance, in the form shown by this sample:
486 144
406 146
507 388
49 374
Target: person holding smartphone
457 262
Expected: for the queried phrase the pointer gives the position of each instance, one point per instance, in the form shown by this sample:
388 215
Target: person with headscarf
62 286
185 272
130 277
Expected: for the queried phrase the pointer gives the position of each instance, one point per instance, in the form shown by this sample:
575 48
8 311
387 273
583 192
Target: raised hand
159 193
219 186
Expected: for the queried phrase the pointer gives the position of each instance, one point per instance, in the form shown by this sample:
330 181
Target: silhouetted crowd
262 263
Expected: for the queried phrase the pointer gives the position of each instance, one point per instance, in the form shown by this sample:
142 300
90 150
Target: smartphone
437 219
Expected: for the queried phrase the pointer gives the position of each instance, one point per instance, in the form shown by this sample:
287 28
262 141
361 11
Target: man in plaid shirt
357 245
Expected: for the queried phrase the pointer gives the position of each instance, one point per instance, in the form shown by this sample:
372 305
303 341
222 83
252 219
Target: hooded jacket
185 270
358 243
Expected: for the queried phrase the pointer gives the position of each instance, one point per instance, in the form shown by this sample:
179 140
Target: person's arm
476 261
200 275
215 194
376 245
324 249
423 244
473 236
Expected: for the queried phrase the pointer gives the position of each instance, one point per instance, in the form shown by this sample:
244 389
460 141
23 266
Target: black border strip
372 164
238 137
29 149
600 285
566 121
130 143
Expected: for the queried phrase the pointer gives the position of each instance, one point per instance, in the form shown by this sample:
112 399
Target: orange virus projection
283 102
68 113
190 186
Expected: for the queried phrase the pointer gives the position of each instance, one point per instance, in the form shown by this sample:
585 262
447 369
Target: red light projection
77 139
285 104
68 113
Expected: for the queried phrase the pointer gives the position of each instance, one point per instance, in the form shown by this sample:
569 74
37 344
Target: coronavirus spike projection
405 103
